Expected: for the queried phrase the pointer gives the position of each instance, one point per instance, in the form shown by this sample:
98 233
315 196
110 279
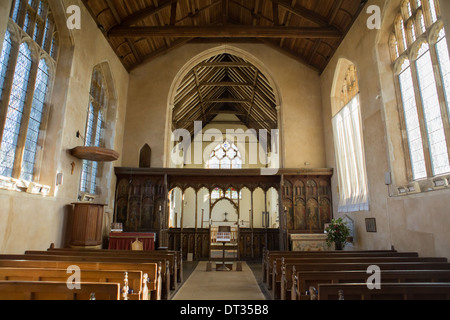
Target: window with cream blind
349 148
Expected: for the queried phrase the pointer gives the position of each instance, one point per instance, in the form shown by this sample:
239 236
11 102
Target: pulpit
87 225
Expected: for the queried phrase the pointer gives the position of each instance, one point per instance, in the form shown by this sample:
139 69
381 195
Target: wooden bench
269 258
163 273
388 291
282 276
167 259
52 290
281 282
177 264
302 281
135 278
151 269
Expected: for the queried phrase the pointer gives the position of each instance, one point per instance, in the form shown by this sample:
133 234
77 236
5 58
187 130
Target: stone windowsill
18 185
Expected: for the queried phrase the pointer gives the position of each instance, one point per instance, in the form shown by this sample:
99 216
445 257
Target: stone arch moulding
339 75
262 67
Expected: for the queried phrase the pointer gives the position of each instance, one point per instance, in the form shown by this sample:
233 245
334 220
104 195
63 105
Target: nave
230 285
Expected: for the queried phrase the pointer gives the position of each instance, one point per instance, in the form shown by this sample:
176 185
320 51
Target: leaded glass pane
4 59
412 125
90 126
432 114
34 125
15 16
444 64
433 12
15 110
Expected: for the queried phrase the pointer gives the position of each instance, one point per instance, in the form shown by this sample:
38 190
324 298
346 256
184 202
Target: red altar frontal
123 240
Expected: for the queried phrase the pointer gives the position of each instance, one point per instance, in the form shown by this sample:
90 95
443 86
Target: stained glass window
15 111
444 63
4 60
432 113
412 123
421 94
225 156
24 104
35 121
94 129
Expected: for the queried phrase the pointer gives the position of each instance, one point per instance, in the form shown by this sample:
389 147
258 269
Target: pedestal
223 267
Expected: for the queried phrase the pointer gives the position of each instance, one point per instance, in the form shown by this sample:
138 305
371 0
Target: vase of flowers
337 233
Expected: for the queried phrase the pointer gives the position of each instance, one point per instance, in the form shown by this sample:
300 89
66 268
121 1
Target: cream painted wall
152 85
410 223
30 222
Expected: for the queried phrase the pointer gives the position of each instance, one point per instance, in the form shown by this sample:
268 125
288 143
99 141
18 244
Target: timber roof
307 30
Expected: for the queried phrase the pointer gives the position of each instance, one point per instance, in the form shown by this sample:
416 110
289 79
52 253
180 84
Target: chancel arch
223 90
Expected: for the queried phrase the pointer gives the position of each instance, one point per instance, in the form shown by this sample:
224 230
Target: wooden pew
282 282
388 291
135 278
169 258
51 290
164 271
303 280
151 269
269 257
282 276
178 259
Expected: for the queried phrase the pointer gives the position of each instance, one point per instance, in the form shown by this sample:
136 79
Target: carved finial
313 293
125 288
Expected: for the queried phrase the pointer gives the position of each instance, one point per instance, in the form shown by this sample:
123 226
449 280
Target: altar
309 242
123 240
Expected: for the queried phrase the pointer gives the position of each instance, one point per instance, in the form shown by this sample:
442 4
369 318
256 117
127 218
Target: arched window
225 156
98 103
419 72
26 73
349 148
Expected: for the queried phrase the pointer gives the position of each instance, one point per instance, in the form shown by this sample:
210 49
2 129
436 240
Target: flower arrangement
337 232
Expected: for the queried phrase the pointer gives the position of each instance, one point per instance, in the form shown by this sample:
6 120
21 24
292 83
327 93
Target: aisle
220 285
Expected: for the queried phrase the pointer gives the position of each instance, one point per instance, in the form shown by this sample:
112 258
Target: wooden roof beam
226 31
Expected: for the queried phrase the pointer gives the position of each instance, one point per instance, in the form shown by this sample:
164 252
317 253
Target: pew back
52 290
135 278
151 269
388 291
303 280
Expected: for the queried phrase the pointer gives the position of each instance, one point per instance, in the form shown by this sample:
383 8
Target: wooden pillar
196 221
282 216
251 225
163 217
266 216
238 225
181 222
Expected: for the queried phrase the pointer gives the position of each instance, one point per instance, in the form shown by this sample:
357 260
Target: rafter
147 12
303 12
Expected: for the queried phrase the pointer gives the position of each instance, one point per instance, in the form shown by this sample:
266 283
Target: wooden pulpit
87 225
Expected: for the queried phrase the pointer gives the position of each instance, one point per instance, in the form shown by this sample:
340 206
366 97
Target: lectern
224 237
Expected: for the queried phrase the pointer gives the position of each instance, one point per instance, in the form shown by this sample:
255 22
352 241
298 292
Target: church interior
224 134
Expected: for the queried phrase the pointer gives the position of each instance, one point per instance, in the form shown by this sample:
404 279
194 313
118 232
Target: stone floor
201 284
